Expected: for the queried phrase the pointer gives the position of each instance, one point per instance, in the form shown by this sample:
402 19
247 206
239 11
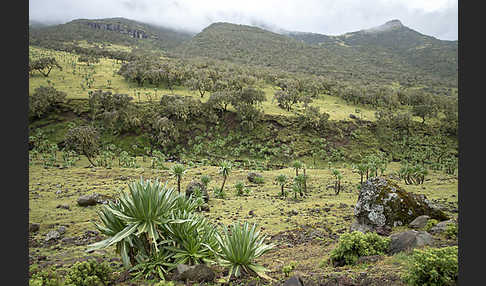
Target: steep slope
114 30
426 55
392 53
252 45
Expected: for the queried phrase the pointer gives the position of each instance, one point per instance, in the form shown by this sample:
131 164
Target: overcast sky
438 18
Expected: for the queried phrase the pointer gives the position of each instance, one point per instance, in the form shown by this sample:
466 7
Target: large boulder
193 185
382 203
409 239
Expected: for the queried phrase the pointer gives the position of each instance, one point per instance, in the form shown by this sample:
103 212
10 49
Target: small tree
177 171
297 165
44 99
83 139
44 65
282 180
337 182
224 170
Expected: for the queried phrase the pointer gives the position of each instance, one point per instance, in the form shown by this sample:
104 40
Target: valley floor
304 230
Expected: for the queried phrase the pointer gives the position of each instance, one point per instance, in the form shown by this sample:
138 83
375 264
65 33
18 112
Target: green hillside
113 30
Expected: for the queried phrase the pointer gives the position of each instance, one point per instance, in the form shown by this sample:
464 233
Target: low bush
433 266
88 273
353 245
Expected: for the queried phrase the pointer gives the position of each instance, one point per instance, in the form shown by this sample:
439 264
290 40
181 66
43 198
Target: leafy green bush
44 99
45 277
451 230
353 245
88 273
430 224
239 249
433 267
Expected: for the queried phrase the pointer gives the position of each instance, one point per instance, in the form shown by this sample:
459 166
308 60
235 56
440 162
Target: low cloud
438 18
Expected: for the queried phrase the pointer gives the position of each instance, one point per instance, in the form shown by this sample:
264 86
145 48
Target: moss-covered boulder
382 203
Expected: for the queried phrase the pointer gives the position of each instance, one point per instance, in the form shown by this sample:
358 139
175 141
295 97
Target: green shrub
88 273
46 277
433 267
451 231
353 245
430 224
43 100
219 193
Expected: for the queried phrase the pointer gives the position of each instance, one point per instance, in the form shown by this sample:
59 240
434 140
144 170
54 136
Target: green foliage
45 277
69 158
433 267
287 269
88 273
158 160
44 100
83 139
43 65
155 265
177 171
115 110
219 193
282 180
240 189
205 179
240 246
134 222
353 245
451 231
430 224
337 180
412 174
193 240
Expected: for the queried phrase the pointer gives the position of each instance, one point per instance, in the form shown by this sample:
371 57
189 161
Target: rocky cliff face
134 33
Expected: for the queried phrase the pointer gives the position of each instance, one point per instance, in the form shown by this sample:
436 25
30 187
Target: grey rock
441 226
88 200
52 235
61 230
419 222
294 281
382 202
195 273
63 207
408 240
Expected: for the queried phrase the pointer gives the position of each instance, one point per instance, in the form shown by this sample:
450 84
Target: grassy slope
106 70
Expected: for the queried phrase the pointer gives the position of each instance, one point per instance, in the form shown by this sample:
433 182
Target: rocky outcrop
134 33
382 203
